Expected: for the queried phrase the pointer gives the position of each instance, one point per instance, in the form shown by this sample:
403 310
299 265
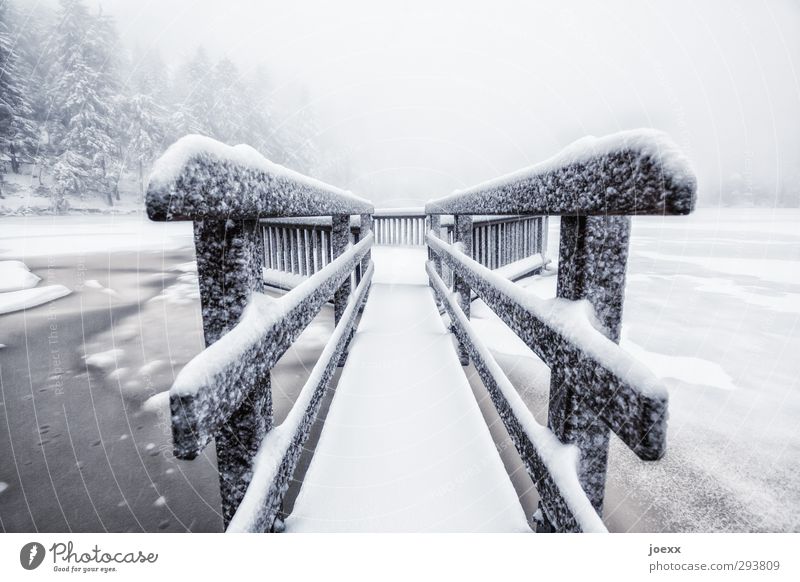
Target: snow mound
28 298
15 276
158 403
104 360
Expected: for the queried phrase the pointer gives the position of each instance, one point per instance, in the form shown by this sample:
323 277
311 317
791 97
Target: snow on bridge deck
404 446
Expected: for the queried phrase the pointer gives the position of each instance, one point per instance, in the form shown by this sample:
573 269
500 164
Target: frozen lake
712 306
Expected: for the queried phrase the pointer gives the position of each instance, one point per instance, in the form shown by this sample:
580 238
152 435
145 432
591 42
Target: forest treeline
81 111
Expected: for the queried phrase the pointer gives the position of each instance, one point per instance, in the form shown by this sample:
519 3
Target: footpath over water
404 446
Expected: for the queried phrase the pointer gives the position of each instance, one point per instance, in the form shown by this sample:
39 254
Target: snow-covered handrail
214 383
629 398
595 387
553 465
225 393
198 177
281 448
627 173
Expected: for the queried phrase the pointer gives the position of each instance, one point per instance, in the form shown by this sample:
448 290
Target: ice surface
772 270
68 235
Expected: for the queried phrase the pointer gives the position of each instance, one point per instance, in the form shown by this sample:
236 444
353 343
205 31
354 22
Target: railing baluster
462 226
269 248
435 222
316 235
273 245
340 237
306 253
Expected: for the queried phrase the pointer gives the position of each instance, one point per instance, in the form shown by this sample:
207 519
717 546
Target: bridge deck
404 446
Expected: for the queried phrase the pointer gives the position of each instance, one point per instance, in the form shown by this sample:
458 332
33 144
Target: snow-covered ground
712 306
23 196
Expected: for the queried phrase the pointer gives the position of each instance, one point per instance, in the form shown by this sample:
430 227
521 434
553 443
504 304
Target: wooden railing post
593 254
229 271
462 224
340 238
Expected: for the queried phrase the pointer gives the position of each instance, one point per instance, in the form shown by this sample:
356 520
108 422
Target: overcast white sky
430 96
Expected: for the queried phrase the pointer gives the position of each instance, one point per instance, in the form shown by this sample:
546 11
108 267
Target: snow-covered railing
261 508
498 240
224 393
299 247
400 226
594 185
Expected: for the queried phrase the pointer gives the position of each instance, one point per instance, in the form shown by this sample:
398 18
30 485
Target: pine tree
145 129
193 98
257 115
18 131
32 37
298 139
82 92
229 116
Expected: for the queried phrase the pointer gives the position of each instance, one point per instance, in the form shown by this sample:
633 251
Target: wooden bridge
404 446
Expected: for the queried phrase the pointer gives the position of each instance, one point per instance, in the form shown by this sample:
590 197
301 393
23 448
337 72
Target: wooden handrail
225 392
595 185
627 173
198 177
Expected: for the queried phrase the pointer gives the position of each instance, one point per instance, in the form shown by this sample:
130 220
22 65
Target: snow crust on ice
774 270
15 276
184 291
104 360
28 298
171 164
647 142
684 368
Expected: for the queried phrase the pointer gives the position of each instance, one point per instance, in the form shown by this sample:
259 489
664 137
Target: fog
427 97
